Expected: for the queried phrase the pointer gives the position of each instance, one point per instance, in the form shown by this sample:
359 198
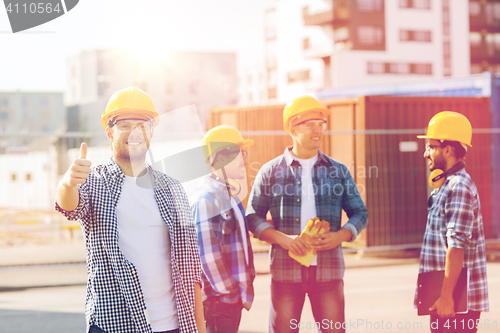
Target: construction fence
375 138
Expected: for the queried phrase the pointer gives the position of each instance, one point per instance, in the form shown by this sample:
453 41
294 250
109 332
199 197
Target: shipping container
375 137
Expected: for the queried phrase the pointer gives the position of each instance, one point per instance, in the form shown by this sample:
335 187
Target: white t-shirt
144 239
308 197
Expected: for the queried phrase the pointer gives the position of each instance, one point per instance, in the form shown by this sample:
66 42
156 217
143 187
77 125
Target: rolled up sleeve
353 205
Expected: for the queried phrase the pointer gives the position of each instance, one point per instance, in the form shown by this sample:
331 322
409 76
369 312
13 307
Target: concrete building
174 80
252 85
25 115
315 44
484 35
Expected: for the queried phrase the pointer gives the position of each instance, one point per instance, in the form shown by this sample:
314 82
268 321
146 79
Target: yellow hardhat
450 126
301 106
222 137
130 101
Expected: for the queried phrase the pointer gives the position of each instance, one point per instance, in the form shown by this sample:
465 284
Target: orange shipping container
375 137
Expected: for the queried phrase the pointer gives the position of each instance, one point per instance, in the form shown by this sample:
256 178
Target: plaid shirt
221 245
277 189
455 220
114 299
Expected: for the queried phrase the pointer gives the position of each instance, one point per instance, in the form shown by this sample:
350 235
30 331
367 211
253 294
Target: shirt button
297 220
298 183
298 200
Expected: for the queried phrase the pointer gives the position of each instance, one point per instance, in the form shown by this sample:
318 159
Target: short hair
457 148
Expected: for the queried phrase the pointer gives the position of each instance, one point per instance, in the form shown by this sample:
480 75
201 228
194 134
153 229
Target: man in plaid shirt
144 273
225 249
454 236
295 187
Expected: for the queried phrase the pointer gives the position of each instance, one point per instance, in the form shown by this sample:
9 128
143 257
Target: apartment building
484 35
316 44
251 85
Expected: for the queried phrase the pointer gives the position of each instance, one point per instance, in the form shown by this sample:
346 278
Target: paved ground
42 289
379 294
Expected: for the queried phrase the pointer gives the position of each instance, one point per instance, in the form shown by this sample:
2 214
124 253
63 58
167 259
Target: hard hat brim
444 139
246 143
152 115
324 113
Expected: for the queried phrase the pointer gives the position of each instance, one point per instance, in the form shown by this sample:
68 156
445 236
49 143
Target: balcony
480 22
338 16
484 15
485 53
318 50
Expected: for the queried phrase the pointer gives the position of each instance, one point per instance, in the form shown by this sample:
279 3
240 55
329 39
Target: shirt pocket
436 220
227 222
330 189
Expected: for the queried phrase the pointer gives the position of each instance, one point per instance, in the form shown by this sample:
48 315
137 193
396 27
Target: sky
35 59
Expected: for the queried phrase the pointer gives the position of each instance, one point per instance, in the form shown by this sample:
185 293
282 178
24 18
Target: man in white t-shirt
299 185
144 272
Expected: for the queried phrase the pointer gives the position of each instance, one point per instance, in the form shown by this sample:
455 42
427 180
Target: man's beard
439 164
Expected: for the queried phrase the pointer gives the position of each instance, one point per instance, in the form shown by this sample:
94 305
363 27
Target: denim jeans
287 301
462 322
222 317
95 329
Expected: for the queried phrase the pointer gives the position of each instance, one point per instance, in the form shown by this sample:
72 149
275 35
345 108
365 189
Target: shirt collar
115 171
289 158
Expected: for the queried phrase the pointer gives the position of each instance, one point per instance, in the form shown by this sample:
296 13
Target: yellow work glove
314 226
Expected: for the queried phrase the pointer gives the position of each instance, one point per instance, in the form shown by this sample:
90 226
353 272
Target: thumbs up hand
79 170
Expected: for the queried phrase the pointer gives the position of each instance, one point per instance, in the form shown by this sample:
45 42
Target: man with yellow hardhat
454 236
142 251
306 190
225 249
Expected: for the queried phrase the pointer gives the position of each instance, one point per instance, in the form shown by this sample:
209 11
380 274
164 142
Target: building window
474 8
270 24
4 102
369 5
414 36
422 36
370 35
475 39
417 4
423 69
376 68
493 13
399 68
298 76
305 43
4 116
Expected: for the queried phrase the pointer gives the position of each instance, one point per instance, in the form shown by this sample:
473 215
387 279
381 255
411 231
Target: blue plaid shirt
455 220
226 272
114 299
277 188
